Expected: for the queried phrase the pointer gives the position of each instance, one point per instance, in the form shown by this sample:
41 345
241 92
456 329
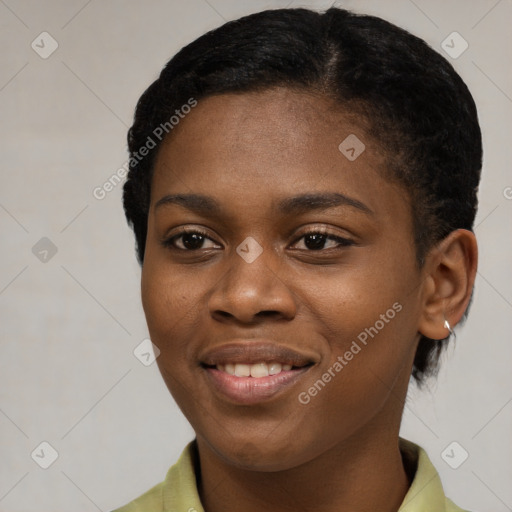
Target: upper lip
250 352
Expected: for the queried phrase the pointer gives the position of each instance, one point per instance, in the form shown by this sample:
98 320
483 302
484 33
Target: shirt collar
425 494
426 491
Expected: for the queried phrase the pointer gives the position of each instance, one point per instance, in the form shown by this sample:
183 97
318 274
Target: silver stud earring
448 326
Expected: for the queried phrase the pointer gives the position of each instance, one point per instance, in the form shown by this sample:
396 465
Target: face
272 255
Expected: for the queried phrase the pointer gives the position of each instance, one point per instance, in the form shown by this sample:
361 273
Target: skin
249 151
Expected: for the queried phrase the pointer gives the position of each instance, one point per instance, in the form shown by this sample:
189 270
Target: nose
252 292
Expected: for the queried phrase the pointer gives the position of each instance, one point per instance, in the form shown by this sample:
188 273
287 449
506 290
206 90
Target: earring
448 326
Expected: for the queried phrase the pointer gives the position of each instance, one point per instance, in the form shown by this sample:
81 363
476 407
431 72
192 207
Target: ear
450 270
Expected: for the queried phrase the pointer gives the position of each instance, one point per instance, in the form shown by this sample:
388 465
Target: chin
263 454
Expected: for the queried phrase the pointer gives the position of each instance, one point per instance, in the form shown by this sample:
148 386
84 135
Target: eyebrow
303 203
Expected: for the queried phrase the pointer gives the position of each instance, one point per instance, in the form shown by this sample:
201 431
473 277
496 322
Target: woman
302 189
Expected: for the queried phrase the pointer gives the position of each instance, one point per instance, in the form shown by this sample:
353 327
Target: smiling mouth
255 383
249 372
258 370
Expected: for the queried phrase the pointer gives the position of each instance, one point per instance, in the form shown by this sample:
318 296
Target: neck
363 473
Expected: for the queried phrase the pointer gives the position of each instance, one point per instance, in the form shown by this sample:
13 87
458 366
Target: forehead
261 131
253 154
278 115
247 149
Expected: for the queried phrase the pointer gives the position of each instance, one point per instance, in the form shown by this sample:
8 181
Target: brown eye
189 240
317 240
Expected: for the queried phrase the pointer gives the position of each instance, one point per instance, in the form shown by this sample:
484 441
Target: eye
189 240
317 240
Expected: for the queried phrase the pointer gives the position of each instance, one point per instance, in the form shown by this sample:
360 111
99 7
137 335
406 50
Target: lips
248 372
250 352
257 370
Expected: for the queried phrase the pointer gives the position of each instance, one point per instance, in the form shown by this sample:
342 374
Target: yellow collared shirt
178 492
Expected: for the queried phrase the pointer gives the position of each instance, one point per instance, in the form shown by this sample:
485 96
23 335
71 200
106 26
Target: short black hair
411 100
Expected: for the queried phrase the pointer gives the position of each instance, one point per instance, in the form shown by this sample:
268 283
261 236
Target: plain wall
69 325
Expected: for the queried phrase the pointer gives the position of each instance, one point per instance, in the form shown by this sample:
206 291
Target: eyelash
343 242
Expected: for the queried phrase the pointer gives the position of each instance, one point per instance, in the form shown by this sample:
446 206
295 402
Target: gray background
71 322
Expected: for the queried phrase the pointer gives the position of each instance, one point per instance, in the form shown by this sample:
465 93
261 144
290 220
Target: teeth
254 370
259 370
274 368
242 370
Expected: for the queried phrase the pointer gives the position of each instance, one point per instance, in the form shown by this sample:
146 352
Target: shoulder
426 492
150 500
451 507
177 492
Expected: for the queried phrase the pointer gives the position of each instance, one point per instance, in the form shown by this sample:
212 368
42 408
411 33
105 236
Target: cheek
362 301
358 381
171 303
367 321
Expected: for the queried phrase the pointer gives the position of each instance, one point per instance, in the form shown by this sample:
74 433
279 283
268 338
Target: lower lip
252 390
